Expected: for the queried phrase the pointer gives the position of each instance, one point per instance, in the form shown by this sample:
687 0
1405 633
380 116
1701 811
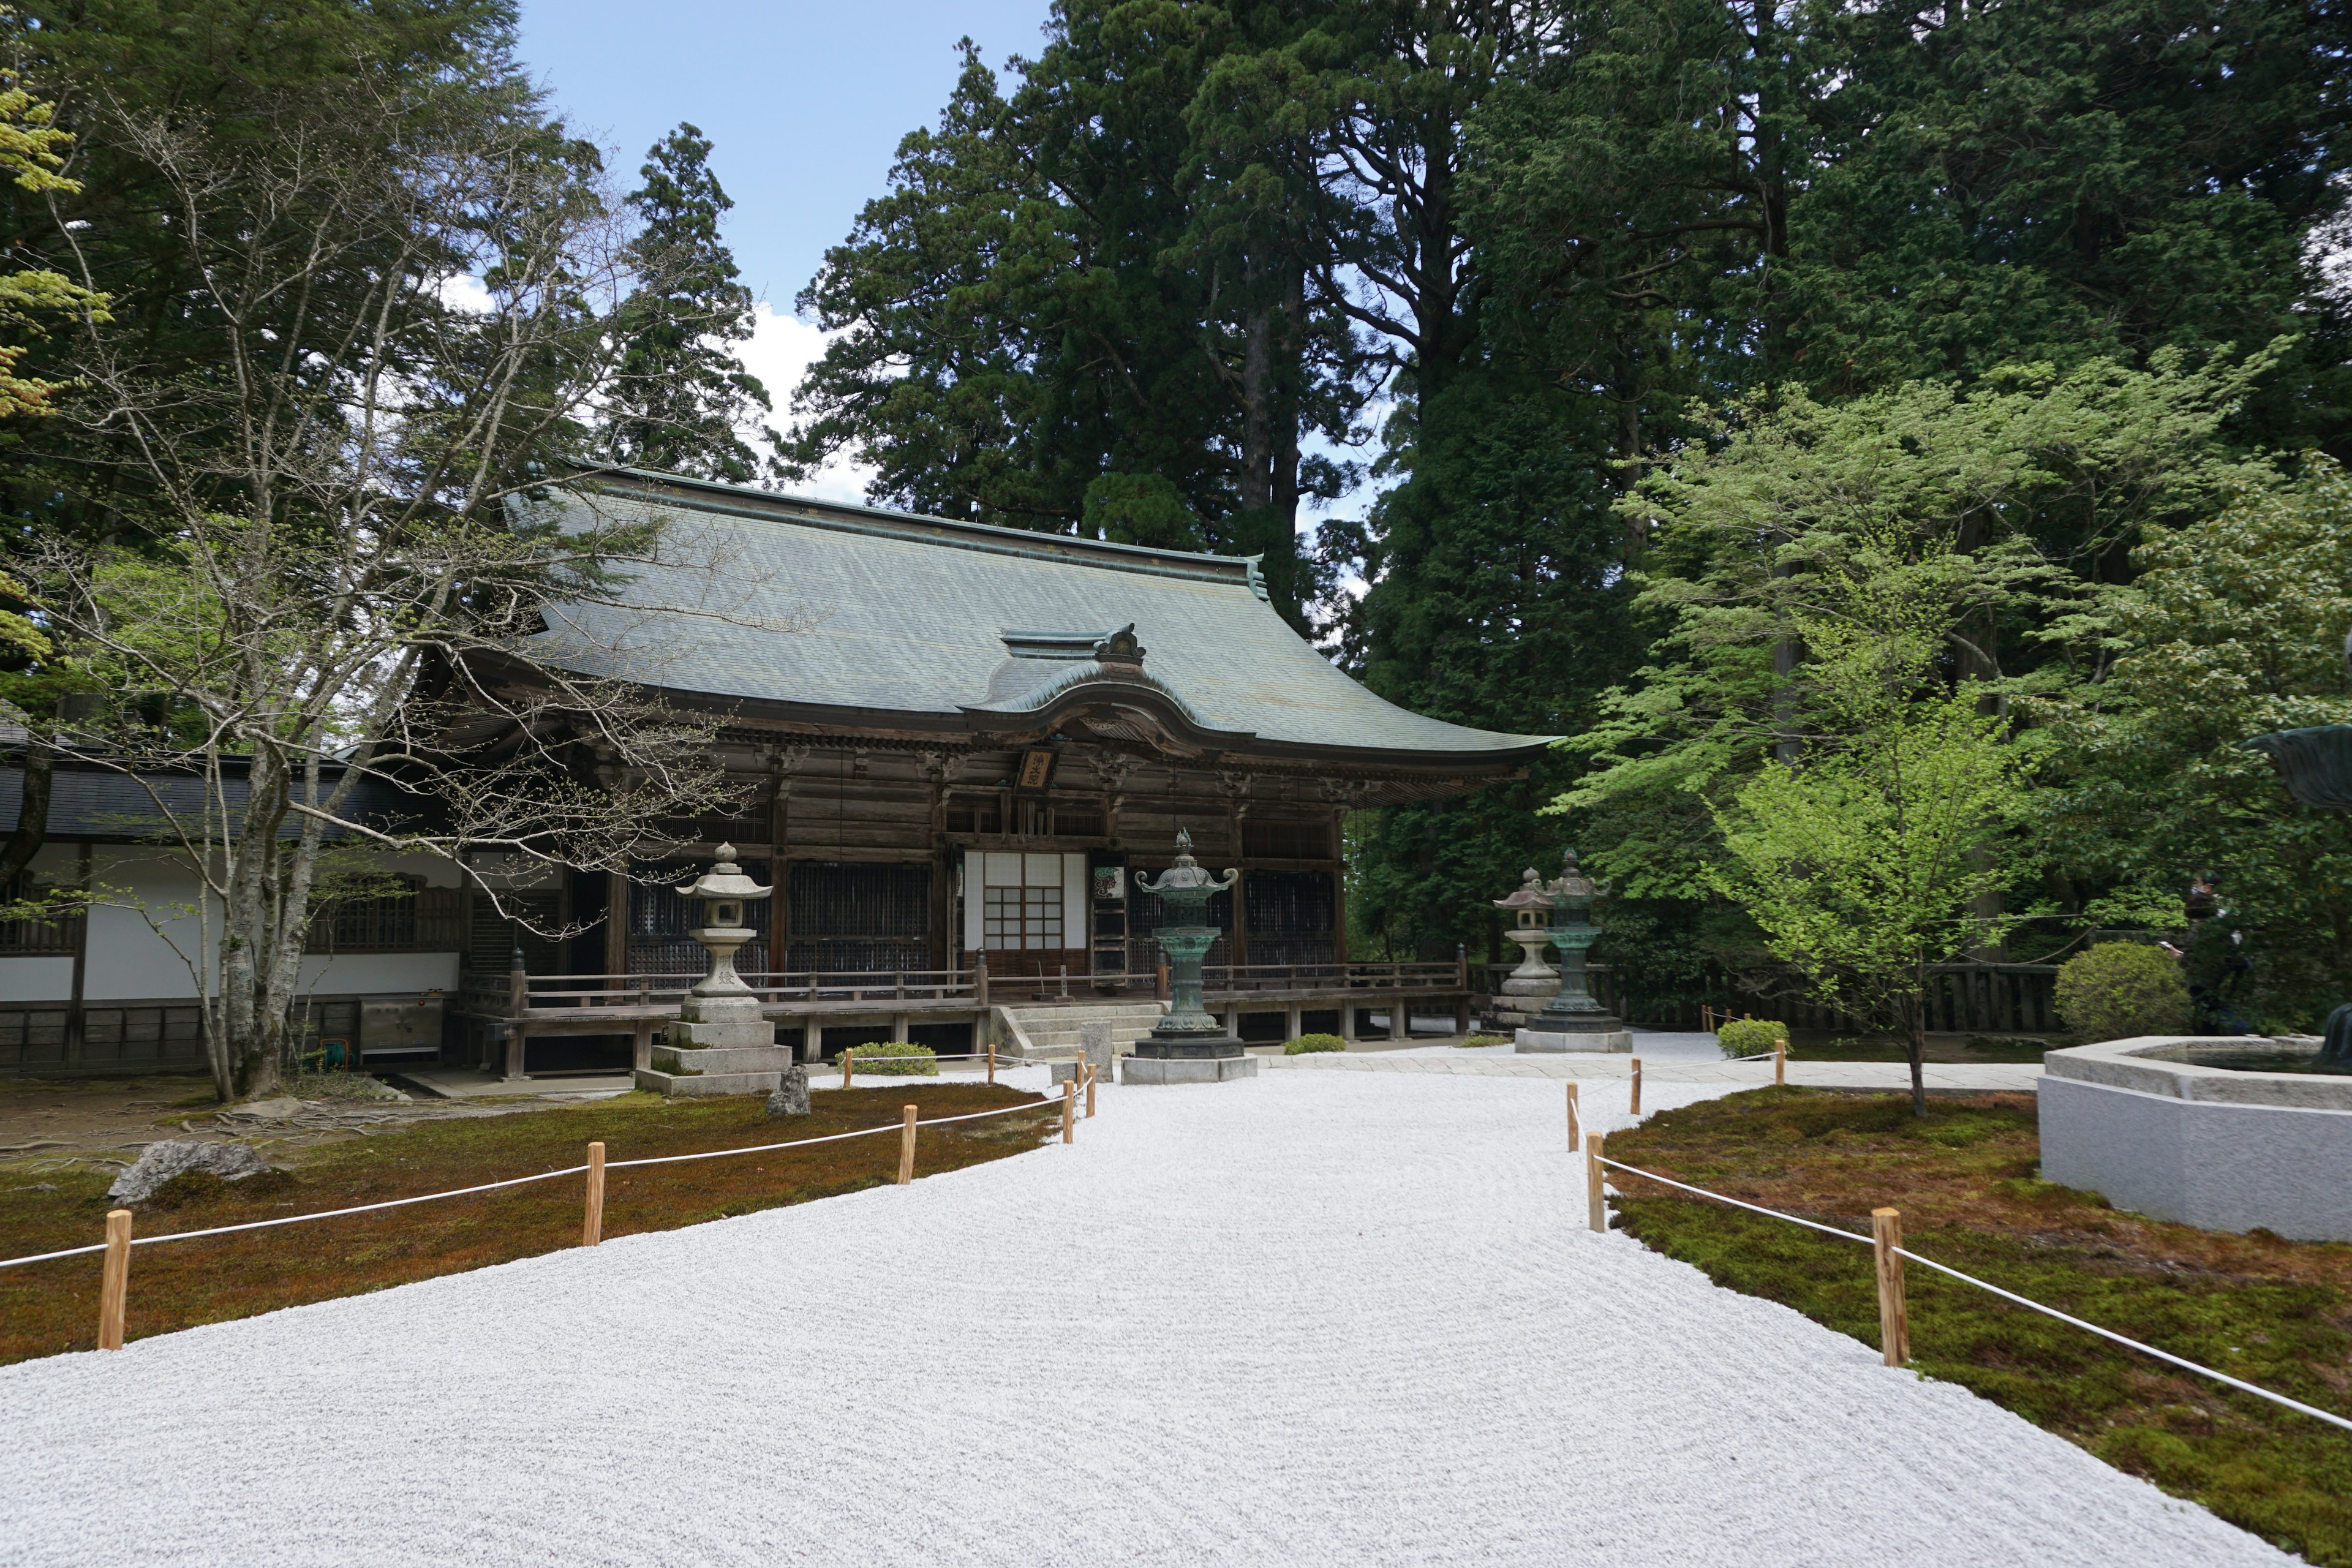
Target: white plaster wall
129 959
36 979
126 957
379 974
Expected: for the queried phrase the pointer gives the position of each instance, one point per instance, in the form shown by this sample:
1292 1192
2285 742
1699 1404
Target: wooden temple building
960 742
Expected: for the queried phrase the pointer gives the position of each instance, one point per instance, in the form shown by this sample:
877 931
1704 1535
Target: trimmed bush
1486 1041
1751 1037
2119 989
901 1056
1305 1045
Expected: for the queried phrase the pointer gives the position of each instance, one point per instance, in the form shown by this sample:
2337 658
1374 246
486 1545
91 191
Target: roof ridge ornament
1120 647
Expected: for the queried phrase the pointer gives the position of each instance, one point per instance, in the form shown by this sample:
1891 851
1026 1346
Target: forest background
1520 305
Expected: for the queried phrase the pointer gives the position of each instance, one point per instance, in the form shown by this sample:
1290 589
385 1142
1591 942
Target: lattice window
416 918
1013 918
55 938
853 918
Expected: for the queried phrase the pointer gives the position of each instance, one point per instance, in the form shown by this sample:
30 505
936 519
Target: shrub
1486 1041
2119 989
1307 1044
901 1056
1750 1036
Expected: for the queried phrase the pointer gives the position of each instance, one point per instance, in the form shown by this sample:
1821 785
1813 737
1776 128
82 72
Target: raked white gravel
1306 1319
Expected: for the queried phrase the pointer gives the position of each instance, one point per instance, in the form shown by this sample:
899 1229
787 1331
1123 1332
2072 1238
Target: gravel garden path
1311 1318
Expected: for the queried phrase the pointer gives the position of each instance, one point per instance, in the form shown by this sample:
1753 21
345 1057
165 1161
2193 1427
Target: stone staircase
1050 1029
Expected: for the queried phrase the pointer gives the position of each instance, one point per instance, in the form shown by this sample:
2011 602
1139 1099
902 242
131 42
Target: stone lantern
1534 981
1187 1046
721 1043
1574 1019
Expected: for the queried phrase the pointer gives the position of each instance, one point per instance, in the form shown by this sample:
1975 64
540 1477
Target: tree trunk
32 812
1916 1040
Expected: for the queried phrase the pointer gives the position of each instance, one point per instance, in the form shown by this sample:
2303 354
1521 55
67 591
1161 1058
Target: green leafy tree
1982 517
2233 628
681 398
1865 861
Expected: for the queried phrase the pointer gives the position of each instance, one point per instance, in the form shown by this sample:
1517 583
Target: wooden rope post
845 1058
1893 1317
591 1227
1780 1062
906 1147
1571 1116
1090 1088
991 1062
114 1281
1070 1110
1637 1086
1596 1204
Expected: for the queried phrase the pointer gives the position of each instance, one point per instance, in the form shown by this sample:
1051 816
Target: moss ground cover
2274 1312
47 1307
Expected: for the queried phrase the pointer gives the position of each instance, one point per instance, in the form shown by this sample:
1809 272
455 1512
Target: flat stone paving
1311 1318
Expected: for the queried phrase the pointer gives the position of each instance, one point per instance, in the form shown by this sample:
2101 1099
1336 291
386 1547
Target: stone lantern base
1546 1037
1187 1058
1140 1068
720 1045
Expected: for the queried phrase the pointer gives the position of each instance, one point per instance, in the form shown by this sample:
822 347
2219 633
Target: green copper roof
815 605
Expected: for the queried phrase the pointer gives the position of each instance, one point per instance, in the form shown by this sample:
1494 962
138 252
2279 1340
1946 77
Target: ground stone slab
159 1163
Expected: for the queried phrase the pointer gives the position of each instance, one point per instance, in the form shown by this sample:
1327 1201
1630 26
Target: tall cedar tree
684 398
1090 307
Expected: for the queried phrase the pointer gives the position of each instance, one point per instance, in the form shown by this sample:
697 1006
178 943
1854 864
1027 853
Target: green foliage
1750 1036
2118 990
680 395
1305 1045
1083 306
2233 628
1865 863
903 1057
1472 1042
1926 528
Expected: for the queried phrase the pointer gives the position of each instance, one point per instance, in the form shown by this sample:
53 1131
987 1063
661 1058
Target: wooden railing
517 993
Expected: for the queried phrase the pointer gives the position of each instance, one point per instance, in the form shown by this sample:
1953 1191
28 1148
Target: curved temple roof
862 616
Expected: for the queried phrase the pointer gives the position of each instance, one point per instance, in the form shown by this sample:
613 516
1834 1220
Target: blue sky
804 101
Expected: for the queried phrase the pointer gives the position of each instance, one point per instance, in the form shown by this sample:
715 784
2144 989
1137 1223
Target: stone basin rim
2133 1064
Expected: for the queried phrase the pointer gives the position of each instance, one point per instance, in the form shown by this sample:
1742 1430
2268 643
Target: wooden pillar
898 1026
1290 1023
1339 886
518 1003
1351 1028
641 1052
617 923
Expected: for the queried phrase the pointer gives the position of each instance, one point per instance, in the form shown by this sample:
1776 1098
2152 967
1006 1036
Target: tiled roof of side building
876 614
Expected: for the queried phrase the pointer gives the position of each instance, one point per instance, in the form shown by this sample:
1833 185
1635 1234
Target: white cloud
781 348
464 292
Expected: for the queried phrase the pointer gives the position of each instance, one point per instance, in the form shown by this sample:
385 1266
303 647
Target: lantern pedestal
719 1044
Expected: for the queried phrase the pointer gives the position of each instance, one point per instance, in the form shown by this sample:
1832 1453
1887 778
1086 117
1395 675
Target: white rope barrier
1041 1107
1752 1208
2182 1362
